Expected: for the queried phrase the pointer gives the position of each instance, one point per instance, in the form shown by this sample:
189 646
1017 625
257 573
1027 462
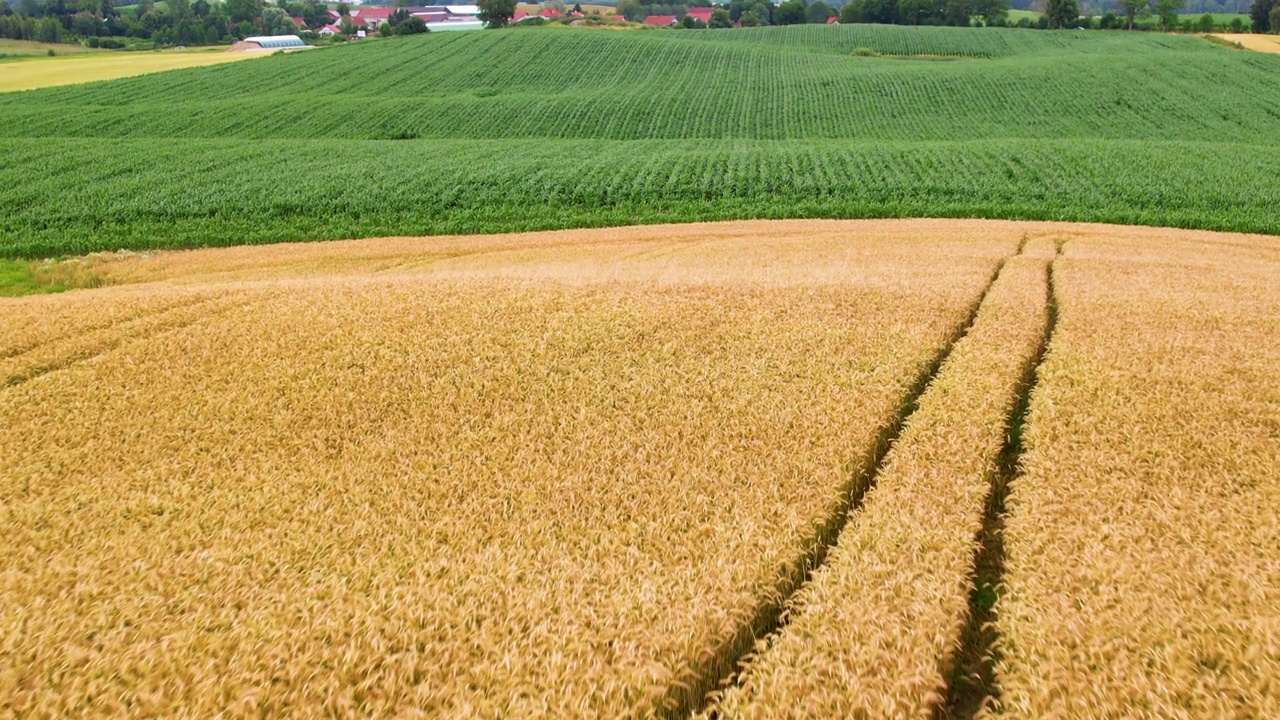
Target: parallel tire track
873 632
53 357
720 666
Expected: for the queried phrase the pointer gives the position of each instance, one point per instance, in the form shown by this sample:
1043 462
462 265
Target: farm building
270 43
661 20
451 25
702 14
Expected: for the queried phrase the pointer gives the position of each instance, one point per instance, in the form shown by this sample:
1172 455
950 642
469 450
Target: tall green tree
276 22
990 11
1062 13
496 13
720 19
817 13
880 11
789 13
917 12
958 12
1167 11
632 10
244 10
750 19
1260 13
1134 9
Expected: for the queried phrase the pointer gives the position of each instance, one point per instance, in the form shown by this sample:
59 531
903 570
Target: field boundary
722 666
972 687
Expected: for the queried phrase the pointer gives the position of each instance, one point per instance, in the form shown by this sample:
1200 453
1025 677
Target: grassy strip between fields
31 277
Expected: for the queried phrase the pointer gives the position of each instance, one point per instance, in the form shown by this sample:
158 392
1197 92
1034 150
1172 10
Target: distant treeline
182 22
1174 15
1168 15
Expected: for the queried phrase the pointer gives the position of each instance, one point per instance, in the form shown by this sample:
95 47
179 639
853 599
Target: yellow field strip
1142 575
874 631
49 72
1257 43
528 483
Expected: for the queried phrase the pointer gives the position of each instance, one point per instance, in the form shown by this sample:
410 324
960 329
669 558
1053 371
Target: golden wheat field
724 470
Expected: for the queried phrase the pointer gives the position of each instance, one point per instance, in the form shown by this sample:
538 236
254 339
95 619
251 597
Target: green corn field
516 130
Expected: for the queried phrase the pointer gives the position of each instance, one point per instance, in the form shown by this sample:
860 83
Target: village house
661 20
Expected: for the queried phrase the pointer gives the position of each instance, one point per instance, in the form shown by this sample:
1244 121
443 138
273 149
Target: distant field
24 48
39 72
1221 18
579 474
1257 43
503 131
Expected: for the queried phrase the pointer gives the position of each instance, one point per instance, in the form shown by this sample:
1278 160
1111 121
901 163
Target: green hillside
528 129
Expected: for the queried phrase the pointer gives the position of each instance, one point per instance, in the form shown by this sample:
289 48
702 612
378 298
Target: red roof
701 13
374 14
831 20
661 20
550 13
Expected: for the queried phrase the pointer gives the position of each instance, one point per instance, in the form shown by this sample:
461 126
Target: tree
991 11
577 7
689 22
957 13
86 24
880 11
496 13
851 12
243 10
273 22
817 13
179 10
412 26
314 14
1062 13
917 12
1134 9
1260 13
1273 20
764 12
750 19
343 9
632 10
1168 12
720 19
790 13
